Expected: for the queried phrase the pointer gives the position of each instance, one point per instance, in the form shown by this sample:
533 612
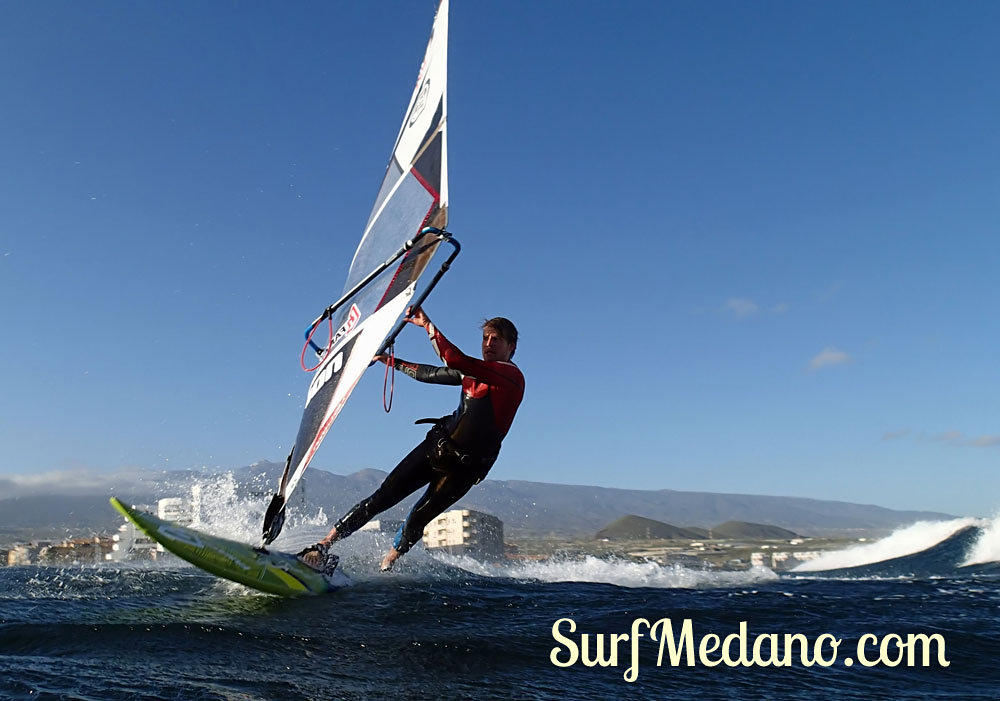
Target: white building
783 560
381 525
466 532
129 542
19 555
183 512
174 509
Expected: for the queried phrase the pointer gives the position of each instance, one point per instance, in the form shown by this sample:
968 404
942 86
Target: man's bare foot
316 555
313 557
389 559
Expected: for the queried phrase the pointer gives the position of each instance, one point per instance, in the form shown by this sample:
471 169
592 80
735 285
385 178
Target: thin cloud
741 307
829 293
829 357
986 441
955 438
78 481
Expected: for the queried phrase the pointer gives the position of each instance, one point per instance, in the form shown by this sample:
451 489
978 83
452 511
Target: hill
754 531
633 527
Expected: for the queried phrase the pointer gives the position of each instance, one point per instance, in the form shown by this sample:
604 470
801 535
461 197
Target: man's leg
444 490
412 472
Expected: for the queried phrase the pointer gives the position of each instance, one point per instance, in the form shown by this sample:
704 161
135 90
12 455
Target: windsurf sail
405 227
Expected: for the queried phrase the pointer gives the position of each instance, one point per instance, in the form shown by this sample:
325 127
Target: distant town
730 546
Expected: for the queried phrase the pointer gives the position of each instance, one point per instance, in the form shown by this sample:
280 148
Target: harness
445 455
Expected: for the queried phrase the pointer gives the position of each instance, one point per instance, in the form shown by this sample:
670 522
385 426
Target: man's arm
431 374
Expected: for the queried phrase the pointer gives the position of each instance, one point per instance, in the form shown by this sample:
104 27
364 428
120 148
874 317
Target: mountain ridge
536 509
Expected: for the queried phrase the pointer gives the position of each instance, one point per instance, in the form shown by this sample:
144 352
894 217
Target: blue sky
750 247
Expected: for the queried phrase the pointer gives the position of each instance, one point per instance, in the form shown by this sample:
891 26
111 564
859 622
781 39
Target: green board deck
269 571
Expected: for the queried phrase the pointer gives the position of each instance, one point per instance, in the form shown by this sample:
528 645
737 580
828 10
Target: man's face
494 345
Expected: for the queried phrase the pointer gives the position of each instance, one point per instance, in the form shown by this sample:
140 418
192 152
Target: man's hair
504 327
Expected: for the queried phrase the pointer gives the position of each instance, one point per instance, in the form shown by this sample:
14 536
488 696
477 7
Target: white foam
905 541
987 546
622 573
224 512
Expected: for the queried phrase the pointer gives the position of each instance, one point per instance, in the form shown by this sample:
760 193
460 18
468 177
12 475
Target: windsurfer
460 448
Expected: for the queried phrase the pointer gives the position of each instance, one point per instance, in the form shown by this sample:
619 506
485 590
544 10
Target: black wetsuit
457 452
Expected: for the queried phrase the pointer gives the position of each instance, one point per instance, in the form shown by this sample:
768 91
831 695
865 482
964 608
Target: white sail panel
413 195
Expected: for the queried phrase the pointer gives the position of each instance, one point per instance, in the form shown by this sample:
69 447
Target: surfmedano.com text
738 649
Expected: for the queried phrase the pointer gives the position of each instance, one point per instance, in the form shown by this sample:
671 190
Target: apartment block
466 532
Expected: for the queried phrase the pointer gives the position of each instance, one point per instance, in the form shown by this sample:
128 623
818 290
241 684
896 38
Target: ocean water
454 628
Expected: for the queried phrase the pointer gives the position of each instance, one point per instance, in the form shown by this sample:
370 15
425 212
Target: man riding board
460 448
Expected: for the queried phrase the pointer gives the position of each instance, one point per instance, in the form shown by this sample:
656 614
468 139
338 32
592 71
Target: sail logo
353 317
420 103
331 368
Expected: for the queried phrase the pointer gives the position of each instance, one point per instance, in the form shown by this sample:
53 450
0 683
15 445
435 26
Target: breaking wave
923 548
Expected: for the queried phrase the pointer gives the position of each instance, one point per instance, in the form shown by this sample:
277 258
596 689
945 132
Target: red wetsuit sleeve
499 384
488 371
